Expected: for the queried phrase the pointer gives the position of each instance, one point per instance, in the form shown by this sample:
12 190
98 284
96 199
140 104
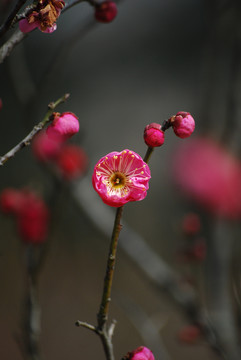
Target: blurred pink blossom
30 211
72 161
209 175
120 177
45 148
11 201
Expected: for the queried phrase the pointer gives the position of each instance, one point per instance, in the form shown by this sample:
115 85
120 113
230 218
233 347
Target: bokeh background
154 59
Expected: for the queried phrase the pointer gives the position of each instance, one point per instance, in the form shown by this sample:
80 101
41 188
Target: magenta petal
25 27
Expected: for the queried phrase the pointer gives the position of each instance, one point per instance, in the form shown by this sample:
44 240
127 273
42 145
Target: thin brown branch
9 45
106 297
148 261
27 140
8 23
18 36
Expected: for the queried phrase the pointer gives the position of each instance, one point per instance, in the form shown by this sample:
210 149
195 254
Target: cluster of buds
182 123
46 12
43 17
50 146
30 211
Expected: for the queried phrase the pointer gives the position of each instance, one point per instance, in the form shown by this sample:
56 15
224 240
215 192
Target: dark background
154 59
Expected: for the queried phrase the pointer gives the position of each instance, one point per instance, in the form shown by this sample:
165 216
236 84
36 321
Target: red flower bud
141 353
183 124
153 135
106 11
63 126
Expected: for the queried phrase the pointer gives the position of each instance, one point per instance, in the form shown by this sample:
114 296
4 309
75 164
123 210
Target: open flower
43 17
120 177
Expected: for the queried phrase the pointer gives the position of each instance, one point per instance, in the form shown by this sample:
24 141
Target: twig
9 45
104 307
8 23
27 140
18 36
102 316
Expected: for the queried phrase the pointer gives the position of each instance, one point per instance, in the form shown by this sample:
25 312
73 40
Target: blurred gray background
154 59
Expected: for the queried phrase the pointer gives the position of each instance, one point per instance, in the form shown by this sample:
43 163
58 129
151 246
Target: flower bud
183 124
106 11
153 135
141 353
63 126
72 161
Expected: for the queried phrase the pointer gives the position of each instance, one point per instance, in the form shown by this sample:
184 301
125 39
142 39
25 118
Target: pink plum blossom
209 175
106 11
120 177
153 135
141 353
43 16
63 126
183 124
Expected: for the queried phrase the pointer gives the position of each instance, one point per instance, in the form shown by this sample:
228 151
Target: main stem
102 315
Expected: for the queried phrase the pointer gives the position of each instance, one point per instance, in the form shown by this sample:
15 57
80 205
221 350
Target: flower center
118 180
